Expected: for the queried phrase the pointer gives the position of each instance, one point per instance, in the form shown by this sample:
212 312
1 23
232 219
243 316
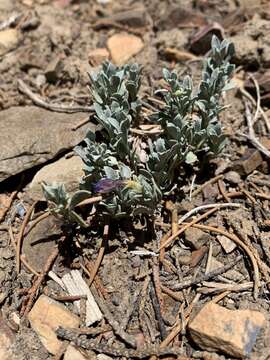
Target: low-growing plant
190 129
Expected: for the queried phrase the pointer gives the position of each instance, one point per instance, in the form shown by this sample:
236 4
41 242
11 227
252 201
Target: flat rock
67 171
103 357
73 354
9 39
123 46
38 243
30 136
232 332
46 316
227 244
7 338
249 162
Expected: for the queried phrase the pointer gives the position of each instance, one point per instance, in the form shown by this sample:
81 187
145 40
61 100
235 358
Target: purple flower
106 185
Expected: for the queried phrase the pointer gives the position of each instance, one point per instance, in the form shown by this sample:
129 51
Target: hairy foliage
190 130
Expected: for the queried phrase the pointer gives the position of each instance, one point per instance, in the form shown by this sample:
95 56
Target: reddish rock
248 162
196 238
232 332
45 318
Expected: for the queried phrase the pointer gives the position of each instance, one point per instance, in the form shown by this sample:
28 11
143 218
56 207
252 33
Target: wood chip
77 286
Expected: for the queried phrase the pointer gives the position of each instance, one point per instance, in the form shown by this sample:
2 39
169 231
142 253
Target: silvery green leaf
190 158
111 173
125 172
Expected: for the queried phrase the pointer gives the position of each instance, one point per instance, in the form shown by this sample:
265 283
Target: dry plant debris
168 237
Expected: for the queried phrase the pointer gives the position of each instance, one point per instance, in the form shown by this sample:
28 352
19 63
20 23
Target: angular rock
7 338
53 70
201 41
67 171
103 357
249 162
46 316
9 39
38 243
196 238
233 332
30 136
73 354
227 244
123 46
133 17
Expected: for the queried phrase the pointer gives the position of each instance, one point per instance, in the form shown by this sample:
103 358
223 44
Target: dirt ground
51 49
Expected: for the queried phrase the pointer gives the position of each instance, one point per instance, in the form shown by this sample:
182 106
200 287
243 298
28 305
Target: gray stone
30 136
233 177
39 242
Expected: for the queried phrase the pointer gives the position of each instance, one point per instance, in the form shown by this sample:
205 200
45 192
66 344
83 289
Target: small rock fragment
53 70
227 244
6 340
9 39
46 316
67 171
201 42
196 238
40 80
210 192
233 177
248 162
233 332
123 46
97 56
103 357
73 354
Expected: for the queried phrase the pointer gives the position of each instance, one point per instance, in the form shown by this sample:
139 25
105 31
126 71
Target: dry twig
33 292
128 339
204 277
234 238
251 133
52 107
214 207
20 236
